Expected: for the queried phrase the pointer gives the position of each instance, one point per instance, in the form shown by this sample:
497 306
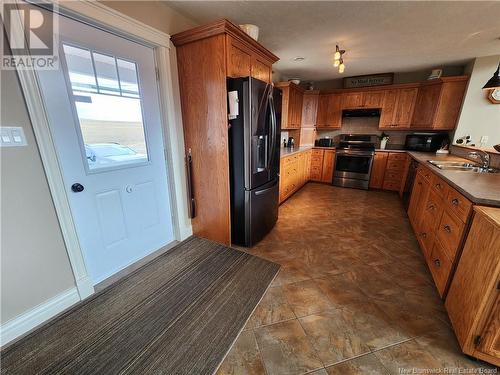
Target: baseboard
85 287
185 231
30 319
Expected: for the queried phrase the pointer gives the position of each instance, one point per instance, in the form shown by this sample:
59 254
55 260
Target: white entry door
105 120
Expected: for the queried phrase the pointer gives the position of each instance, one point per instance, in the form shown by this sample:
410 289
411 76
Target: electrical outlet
484 139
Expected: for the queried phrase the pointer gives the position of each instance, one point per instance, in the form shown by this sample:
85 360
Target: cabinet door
426 106
328 166
316 164
352 100
431 215
416 200
299 99
334 112
322 115
239 59
261 69
378 170
405 107
373 99
440 267
309 109
490 337
388 109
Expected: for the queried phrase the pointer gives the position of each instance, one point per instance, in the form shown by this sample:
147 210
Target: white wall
479 116
34 262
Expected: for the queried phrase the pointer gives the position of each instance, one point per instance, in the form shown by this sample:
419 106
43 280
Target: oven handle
354 153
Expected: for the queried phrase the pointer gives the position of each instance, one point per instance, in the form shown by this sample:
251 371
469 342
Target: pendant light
494 82
338 61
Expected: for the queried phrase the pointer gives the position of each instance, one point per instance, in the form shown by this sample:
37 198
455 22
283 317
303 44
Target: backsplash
363 125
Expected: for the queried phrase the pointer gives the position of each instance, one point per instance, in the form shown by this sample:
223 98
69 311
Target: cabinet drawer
391 185
397 156
316 162
439 186
426 238
440 267
427 174
317 153
449 233
458 204
397 165
393 175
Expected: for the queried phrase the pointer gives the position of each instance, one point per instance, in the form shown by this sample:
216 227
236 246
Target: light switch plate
12 136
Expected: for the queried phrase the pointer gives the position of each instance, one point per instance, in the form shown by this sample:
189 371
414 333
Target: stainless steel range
353 160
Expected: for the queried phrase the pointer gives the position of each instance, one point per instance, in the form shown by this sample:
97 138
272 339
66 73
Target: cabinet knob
454 201
437 262
438 186
447 228
423 235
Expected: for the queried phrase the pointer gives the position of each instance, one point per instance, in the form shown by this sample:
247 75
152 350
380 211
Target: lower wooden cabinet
328 166
317 156
473 301
388 170
439 230
294 173
378 170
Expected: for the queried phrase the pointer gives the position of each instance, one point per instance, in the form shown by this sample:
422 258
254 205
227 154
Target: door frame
108 19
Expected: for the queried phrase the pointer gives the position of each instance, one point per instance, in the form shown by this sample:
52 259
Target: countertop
285 151
480 188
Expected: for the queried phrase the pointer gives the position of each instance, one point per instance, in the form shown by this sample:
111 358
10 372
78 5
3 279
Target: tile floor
354 295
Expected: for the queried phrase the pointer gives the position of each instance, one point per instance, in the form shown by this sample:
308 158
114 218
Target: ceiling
385 36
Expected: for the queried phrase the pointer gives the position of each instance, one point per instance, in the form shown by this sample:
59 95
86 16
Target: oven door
352 164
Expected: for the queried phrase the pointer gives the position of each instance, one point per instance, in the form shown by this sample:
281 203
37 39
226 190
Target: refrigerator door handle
274 130
264 191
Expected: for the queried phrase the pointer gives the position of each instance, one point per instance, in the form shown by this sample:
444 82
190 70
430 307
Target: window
108 104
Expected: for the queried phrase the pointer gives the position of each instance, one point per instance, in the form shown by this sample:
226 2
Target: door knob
77 188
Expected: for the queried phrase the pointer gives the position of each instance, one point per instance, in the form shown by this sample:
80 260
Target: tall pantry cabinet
206 57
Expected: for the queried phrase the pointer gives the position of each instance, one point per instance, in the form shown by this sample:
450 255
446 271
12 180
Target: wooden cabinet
378 170
362 99
291 113
329 114
438 228
243 62
473 301
397 108
294 173
393 176
352 100
317 164
328 166
206 56
310 109
438 103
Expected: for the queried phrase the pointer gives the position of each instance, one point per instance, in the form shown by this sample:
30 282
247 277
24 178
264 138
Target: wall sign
369 80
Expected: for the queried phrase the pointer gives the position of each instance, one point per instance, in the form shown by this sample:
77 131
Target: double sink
461 166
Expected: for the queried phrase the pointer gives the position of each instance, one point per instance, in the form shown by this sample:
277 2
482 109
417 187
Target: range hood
365 112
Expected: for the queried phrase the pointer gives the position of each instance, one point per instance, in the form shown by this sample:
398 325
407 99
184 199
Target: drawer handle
431 207
438 186
423 235
454 201
437 262
447 228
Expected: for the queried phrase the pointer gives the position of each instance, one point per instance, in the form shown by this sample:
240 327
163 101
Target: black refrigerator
254 158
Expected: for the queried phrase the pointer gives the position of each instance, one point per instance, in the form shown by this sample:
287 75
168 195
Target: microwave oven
427 142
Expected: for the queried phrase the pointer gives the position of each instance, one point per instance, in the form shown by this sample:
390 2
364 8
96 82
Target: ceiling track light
338 60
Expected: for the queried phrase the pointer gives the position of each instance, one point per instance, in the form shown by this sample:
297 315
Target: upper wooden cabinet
398 106
438 103
362 99
310 108
329 114
291 113
206 56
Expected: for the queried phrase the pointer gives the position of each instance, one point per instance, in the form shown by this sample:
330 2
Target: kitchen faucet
483 156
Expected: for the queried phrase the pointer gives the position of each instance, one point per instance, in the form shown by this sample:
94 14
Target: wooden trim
292 85
222 26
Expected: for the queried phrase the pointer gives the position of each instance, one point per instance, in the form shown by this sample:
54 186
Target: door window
108 106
